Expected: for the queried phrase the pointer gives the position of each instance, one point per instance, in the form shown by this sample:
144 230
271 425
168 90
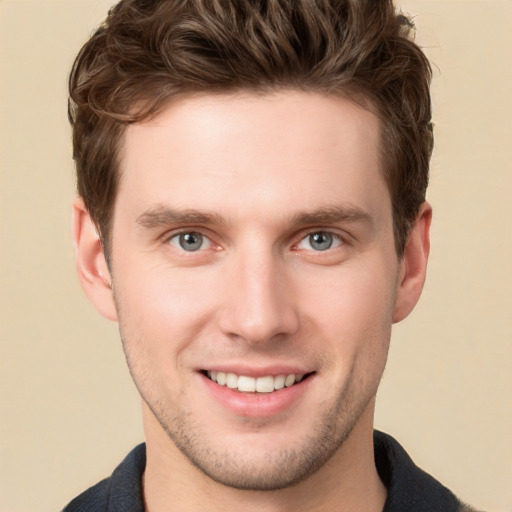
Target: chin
268 457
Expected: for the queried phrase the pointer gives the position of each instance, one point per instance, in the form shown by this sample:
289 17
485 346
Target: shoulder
466 508
94 499
121 492
408 486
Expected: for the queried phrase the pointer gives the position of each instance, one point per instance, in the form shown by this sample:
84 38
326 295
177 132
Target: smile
245 384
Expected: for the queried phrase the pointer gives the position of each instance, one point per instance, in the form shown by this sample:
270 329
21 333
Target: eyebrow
332 215
164 216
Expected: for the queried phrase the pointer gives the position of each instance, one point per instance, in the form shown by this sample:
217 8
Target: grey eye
321 241
190 242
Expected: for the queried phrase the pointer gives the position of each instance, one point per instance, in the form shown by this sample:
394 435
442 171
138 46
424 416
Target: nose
259 305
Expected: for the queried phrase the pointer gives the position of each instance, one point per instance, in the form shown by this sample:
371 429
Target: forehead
250 152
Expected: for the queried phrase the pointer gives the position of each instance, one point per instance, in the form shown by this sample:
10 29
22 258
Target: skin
260 175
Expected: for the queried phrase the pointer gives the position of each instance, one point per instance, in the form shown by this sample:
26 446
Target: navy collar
409 488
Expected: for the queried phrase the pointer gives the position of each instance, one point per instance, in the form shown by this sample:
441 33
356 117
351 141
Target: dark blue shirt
409 488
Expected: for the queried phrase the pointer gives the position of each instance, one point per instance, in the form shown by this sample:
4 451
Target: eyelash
177 236
337 239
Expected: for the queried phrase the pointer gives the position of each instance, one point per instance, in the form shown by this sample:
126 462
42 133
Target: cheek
162 306
159 319
352 308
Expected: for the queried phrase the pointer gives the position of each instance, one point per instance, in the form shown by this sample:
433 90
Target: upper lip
258 371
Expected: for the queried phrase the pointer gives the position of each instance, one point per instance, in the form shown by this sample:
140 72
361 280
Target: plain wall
68 409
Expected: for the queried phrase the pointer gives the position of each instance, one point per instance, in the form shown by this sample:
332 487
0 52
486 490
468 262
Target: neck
348 482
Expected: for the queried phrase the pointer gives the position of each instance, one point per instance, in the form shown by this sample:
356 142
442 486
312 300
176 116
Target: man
251 210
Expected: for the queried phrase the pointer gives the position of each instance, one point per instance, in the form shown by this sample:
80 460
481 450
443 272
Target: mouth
264 384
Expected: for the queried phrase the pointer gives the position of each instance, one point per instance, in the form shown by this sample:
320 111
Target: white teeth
245 384
279 381
290 380
265 384
232 381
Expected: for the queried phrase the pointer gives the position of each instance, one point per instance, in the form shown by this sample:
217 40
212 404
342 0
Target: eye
320 241
190 241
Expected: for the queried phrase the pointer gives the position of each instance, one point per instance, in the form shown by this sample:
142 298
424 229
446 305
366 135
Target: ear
91 264
413 266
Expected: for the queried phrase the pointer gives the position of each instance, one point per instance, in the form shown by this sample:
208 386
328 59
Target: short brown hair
148 51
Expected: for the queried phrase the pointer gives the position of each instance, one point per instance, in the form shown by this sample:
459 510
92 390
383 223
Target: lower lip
257 405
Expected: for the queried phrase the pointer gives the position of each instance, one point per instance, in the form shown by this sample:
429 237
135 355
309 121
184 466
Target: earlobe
91 264
413 266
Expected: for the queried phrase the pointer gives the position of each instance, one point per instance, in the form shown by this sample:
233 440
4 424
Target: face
255 279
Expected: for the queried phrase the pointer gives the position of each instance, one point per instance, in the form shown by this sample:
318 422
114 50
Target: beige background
68 410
